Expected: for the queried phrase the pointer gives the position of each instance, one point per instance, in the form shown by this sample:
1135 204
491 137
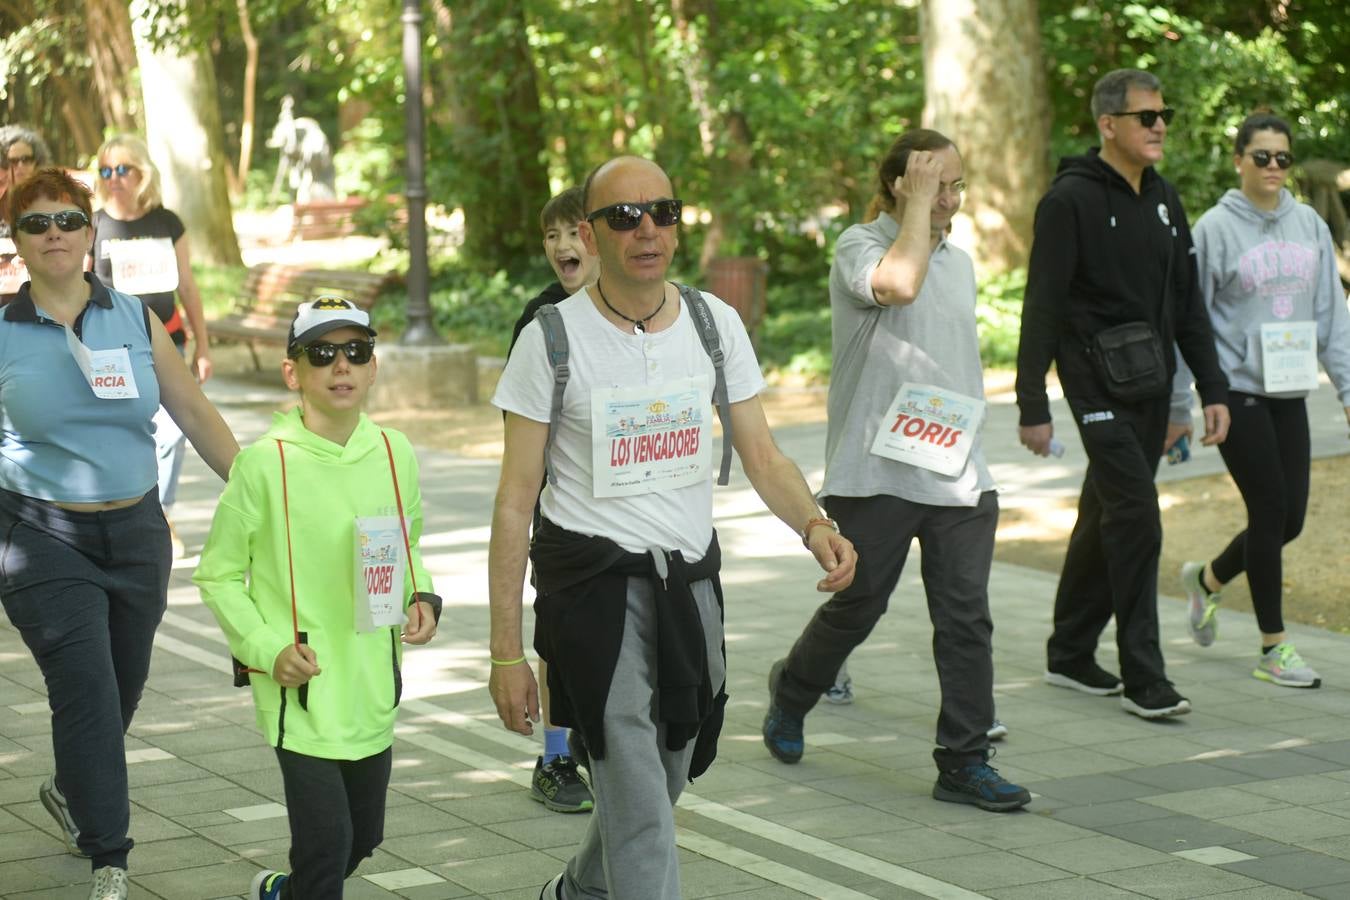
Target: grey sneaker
1202 605
559 786
110 883
1282 665
55 803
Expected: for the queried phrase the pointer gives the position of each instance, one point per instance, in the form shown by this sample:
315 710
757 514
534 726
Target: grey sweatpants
629 847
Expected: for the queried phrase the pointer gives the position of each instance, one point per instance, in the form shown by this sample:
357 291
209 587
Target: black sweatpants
1111 567
957 543
336 813
1267 453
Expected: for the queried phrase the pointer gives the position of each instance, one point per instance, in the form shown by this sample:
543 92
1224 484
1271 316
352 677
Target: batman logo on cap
332 303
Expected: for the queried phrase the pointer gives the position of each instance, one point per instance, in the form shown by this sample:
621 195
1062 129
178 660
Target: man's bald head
614 176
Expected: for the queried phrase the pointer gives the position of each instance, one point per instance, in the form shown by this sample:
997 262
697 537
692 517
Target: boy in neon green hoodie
310 567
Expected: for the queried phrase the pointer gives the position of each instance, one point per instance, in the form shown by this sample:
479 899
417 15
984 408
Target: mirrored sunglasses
66 220
627 216
323 353
1149 117
122 170
1283 158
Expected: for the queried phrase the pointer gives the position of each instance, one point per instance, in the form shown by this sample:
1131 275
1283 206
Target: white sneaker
841 694
110 883
55 803
1203 606
1282 665
997 732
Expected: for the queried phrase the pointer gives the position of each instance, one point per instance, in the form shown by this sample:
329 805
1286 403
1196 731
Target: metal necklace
639 325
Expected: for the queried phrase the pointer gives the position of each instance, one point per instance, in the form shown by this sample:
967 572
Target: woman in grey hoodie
1268 274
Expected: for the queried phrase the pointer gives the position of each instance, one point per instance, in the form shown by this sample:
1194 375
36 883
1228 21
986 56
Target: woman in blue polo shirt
84 548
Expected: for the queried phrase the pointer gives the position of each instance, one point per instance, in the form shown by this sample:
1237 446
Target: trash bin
740 281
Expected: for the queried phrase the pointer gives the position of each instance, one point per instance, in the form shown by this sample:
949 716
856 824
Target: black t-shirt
157 223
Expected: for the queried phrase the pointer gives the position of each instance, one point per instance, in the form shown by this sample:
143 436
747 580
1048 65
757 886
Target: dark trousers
1267 454
87 591
1111 566
957 543
336 813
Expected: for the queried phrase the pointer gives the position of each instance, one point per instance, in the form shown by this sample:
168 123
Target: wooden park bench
320 219
273 291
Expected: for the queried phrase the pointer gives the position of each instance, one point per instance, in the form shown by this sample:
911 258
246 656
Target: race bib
650 438
1289 356
929 427
13 270
108 372
379 572
143 265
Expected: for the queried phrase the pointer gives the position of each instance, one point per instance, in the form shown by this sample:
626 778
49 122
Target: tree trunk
112 53
182 123
497 137
984 87
250 93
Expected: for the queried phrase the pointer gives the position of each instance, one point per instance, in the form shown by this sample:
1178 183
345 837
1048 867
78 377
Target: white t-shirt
601 356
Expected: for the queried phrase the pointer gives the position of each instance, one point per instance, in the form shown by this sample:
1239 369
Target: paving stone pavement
1248 797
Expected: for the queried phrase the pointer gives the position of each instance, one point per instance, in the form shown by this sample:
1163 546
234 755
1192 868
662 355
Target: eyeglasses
66 220
1283 158
122 170
627 216
15 161
1148 117
323 353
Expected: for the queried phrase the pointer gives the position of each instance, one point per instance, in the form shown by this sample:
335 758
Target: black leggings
1267 453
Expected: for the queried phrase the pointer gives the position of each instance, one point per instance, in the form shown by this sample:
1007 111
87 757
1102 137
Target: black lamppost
420 331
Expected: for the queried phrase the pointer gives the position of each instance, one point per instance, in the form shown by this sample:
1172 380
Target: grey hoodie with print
1258 267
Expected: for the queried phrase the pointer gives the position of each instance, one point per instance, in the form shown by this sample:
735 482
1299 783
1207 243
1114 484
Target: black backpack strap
707 332
555 343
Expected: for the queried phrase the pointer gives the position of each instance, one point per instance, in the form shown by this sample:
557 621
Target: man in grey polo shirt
903 460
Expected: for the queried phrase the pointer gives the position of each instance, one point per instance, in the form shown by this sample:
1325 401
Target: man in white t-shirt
629 607
903 461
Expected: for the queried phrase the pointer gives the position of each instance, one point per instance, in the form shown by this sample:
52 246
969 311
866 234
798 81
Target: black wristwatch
432 600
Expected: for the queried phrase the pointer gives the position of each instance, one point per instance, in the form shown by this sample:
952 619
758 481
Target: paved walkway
1248 797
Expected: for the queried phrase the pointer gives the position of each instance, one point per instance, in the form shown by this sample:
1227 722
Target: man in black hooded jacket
1110 288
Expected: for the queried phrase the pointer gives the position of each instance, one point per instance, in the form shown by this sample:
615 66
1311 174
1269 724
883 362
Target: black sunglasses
1283 158
1148 117
15 161
122 170
627 216
324 353
66 220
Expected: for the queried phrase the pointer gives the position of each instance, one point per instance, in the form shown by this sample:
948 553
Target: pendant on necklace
638 328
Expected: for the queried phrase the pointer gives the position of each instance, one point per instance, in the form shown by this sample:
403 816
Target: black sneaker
782 730
559 786
1087 677
981 785
1158 700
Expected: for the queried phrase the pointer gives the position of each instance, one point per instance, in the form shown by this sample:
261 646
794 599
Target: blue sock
555 743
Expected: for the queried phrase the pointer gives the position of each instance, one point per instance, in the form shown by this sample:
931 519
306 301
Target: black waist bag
1129 361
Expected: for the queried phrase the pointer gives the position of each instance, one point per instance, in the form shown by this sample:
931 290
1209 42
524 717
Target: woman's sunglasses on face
14 162
627 216
1283 158
323 353
122 170
66 220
